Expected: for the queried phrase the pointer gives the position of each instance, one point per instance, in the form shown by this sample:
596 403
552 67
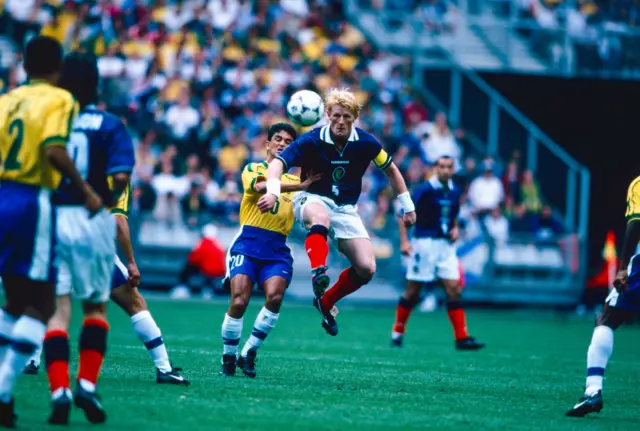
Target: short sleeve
633 201
123 204
121 157
59 120
293 155
380 157
250 176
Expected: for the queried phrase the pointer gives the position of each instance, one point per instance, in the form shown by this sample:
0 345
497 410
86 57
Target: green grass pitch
530 373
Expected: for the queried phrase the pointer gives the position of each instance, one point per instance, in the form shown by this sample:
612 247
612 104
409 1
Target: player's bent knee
239 303
365 272
138 303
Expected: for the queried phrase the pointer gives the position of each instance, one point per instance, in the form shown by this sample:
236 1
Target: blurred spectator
181 118
193 205
486 191
497 226
511 181
547 226
521 221
439 140
467 174
530 192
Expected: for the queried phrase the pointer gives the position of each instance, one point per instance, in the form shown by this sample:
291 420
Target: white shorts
431 259
87 251
345 220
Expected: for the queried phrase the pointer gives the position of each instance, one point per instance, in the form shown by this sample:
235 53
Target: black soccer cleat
31 368
320 280
469 343
172 377
228 368
90 403
396 342
586 405
328 321
60 410
7 416
248 363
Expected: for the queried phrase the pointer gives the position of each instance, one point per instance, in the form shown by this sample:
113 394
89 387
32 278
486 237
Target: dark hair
42 57
80 77
445 156
282 127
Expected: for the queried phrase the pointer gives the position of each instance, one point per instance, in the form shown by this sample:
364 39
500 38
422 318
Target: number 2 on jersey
16 131
78 149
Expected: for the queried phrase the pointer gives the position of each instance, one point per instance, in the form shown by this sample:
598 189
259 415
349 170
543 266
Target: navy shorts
259 270
629 300
27 232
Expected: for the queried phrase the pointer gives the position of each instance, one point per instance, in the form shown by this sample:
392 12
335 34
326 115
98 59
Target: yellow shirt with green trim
32 117
280 218
633 201
123 204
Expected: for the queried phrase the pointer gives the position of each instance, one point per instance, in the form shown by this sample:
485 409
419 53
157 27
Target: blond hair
342 97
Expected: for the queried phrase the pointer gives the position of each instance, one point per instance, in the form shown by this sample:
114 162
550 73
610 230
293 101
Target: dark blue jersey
342 171
99 146
437 208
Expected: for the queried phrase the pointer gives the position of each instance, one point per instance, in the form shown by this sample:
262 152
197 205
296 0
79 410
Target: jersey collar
435 182
325 135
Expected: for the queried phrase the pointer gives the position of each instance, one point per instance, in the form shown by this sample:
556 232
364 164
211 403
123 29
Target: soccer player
432 255
103 153
35 123
125 293
341 153
259 255
622 305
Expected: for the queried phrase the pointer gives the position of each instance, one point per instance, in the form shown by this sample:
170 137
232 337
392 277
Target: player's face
444 169
279 142
341 119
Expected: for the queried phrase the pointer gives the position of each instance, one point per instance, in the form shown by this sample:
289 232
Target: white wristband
273 187
406 202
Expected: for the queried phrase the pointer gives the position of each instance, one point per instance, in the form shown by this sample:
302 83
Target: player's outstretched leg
241 285
408 300
458 319
317 219
598 355
274 289
145 327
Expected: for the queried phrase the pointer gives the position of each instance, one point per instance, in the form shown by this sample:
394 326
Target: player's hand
266 202
134 274
454 234
621 281
409 219
310 180
93 203
405 248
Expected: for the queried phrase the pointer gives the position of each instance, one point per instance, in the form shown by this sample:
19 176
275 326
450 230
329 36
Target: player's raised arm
631 235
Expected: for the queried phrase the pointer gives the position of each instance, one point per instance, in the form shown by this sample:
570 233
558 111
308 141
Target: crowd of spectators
198 82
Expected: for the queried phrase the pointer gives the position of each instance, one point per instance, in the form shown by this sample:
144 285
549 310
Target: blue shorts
27 232
120 275
259 270
629 300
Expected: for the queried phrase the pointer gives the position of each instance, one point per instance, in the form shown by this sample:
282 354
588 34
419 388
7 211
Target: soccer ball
305 108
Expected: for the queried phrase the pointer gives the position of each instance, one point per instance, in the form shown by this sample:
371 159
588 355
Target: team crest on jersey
338 174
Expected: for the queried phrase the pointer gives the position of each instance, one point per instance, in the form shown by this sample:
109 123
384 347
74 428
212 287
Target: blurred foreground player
341 154
622 304
432 255
35 124
259 255
103 152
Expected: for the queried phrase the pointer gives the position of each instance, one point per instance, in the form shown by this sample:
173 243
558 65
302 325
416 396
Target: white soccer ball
305 108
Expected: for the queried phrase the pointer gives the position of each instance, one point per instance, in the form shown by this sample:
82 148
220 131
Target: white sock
7 322
149 333
598 355
87 385
265 322
28 334
396 335
231 332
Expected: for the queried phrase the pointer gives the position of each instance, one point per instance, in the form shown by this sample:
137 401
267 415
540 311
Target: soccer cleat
396 342
7 416
60 409
228 365
31 368
587 404
319 280
172 377
469 343
328 321
90 403
248 363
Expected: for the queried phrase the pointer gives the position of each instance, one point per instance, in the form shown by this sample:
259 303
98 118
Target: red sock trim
58 374
56 333
94 321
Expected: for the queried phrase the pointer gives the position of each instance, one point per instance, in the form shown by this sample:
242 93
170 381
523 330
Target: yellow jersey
633 201
280 218
33 117
123 204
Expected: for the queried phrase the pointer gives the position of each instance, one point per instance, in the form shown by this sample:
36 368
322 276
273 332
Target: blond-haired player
341 153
